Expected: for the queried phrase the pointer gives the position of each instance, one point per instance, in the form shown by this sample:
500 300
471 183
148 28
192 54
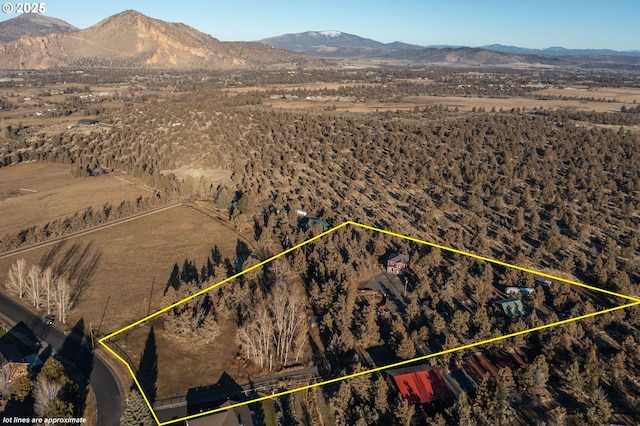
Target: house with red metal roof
419 384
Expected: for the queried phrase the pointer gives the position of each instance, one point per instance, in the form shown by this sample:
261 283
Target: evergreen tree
403 412
490 405
368 331
136 411
599 410
53 370
574 379
593 372
482 323
59 409
461 412
438 324
22 387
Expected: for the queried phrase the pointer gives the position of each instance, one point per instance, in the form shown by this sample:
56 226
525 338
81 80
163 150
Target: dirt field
216 176
36 193
185 364
122 263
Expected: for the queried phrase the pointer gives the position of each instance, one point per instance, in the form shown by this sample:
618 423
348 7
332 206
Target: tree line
85 219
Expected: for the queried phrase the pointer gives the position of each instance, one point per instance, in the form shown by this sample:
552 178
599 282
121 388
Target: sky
597 24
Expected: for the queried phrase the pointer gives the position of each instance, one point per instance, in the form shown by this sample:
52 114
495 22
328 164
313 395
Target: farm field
37 193
120 264
624 94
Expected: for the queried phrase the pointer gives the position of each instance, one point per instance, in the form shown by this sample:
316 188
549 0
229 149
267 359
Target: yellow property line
203 291
135 379
102 341
497 262
397 364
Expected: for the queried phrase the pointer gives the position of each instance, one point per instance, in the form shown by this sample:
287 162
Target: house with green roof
512 307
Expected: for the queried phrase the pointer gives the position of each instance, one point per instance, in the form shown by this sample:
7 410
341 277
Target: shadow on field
77 264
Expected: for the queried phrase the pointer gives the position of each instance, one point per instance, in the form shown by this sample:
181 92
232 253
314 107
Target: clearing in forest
506 301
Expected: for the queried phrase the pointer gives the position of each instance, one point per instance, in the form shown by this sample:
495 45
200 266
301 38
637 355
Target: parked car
49 319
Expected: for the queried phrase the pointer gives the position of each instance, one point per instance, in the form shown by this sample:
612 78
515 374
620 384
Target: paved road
102 379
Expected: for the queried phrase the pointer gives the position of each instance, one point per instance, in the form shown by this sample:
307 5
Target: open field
461 102
216 176
185 364
39 105
37 193
624 94
122 263
182 362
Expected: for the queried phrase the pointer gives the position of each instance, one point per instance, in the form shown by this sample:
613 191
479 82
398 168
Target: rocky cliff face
131 39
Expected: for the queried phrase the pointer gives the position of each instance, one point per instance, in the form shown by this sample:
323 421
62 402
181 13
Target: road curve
102 379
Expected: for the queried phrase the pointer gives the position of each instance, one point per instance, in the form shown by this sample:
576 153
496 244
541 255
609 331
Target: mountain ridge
131 39
308 42
32 24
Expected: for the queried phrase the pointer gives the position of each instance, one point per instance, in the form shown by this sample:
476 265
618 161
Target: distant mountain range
317 42
560 51
131 39
339 44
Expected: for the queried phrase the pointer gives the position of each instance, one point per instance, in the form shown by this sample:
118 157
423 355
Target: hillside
33 25
131 39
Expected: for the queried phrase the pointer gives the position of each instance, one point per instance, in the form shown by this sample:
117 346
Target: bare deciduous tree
47 283
44 392
289 320
33 284
275 336
17 278
257 338
62 298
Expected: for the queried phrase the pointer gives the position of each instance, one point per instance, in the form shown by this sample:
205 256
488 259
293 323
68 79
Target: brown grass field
305 86
185 364
123 262
126 266
58 194
624 94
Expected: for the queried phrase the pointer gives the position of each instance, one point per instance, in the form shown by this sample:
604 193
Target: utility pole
103 312
151 296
